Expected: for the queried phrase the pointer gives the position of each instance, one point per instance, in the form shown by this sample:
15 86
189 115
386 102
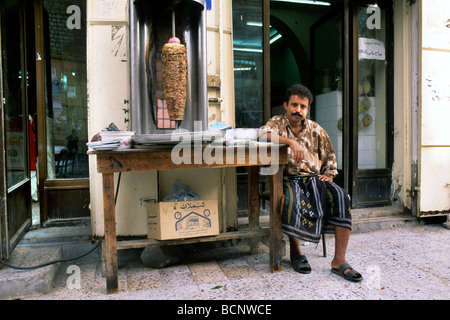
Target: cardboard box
183 219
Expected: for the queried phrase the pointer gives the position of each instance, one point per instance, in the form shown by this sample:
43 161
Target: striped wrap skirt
311 205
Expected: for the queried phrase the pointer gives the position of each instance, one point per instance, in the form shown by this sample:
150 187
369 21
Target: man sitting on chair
312 199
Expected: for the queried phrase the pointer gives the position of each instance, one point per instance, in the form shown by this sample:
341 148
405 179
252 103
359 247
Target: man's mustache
297 114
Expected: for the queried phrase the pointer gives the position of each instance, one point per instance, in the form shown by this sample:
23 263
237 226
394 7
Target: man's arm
298 153
328 158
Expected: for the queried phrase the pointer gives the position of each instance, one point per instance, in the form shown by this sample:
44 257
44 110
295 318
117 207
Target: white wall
435 110
219 44
108 86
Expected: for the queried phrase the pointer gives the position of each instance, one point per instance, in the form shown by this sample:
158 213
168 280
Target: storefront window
372 80
248 63
65 40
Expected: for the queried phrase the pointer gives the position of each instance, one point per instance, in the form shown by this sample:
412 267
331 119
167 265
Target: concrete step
380 218
58 235
21 284
39 247
364 219
377 212
362 225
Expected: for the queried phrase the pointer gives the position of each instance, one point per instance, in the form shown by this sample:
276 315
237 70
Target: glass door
64 171
16 189
372 122
65 39
351 52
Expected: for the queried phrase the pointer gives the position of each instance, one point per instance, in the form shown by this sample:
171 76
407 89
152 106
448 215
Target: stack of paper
104 145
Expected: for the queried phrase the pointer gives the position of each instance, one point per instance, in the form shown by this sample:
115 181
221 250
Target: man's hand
325 178
298 152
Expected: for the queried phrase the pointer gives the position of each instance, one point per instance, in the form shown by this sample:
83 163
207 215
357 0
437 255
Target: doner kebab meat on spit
174 69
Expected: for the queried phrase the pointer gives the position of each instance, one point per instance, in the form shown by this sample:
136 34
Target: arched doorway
289 63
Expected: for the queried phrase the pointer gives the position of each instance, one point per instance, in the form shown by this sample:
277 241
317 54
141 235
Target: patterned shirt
320 156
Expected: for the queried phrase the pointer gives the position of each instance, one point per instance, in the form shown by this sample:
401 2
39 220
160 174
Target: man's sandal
351 275
301 265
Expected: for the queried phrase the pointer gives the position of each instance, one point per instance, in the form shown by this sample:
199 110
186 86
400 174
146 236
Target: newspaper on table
104 145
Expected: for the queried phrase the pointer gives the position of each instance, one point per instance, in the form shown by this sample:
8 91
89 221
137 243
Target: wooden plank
110 233
275 242
145 160
68 184
253 204
142 243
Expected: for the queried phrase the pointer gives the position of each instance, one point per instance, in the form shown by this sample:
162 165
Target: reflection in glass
67 94
248 63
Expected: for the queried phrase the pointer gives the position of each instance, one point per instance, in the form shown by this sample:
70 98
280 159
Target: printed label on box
184 219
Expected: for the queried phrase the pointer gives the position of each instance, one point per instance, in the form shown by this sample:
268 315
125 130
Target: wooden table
127 160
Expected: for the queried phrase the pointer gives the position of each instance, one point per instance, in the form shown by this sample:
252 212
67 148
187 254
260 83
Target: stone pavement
407 262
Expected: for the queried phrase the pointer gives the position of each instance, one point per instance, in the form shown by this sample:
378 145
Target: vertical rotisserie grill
174 70
154 106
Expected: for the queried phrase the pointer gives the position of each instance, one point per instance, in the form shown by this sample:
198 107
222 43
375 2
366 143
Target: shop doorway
62 111
44 117
16 96
349 51
341 50
311 39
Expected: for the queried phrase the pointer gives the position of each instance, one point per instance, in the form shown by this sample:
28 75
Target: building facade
376 69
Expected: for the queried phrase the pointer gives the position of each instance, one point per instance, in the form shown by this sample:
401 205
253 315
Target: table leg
253 205
110 240
275 243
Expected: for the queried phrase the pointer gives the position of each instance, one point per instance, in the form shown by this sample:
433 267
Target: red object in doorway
32 131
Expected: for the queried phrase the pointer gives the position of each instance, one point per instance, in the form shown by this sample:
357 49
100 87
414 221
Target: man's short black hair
298 90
